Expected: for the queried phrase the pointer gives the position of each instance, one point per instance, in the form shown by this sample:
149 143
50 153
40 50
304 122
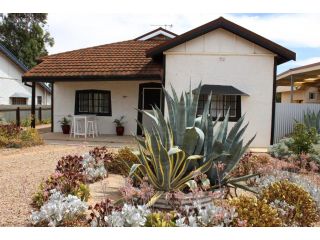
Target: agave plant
164 164
312 120
202 136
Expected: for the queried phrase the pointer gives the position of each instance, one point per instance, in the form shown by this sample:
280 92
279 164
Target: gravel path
21 171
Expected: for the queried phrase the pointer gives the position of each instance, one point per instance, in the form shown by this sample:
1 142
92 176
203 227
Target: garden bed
21 171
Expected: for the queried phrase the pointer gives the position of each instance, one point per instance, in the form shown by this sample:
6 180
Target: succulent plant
58 209
201 136
305 210
164 164
256 212
161 219
312 120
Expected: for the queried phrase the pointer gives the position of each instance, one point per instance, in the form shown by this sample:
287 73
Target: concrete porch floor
105 140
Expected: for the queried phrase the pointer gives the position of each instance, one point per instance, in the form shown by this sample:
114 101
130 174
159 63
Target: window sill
97 114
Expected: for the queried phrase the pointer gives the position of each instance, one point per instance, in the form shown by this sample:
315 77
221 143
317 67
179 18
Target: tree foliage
25 35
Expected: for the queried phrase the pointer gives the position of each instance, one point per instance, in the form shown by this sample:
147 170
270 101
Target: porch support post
33 105
291 88
52 106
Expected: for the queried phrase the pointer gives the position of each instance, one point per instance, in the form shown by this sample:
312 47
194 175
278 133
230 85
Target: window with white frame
220 105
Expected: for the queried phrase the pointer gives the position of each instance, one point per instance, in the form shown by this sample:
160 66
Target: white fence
285 115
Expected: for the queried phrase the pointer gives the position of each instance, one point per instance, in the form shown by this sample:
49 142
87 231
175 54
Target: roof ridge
155 30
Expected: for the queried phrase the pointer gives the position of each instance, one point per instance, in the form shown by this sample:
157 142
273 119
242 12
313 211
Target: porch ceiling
309 74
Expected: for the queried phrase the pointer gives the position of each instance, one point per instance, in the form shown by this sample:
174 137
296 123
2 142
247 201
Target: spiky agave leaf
165 168
198 135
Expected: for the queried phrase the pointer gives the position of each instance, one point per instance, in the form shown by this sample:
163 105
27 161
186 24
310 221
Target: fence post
18 116
40 115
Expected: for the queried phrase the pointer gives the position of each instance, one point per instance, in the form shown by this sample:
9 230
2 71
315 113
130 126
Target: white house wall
124 101
46 97
11 82
222 58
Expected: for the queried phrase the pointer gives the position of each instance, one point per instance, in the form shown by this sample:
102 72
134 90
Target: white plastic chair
91 129
77 128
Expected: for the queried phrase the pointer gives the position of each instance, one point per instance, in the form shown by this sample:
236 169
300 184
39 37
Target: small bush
26 122
122 162
12 136
304 207
46 121
256 212
251 164
282 149
303 138
30 137
161 219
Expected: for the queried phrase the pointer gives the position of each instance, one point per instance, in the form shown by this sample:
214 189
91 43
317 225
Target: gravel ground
21 171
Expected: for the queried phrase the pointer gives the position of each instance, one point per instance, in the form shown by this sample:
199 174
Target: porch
109 140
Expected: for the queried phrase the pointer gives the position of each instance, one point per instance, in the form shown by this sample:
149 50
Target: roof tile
120 59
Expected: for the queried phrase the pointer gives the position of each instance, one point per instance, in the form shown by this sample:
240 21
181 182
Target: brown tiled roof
115 61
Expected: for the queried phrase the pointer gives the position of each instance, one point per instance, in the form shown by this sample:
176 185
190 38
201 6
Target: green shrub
304 210
26 122
303 138
256 212
46 121
312 120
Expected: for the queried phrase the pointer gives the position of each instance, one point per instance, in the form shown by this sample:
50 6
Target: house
12 90
305 82
115 79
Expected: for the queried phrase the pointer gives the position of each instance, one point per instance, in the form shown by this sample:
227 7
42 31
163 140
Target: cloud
73 31
292 30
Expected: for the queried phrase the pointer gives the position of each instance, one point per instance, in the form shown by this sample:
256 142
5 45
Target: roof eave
79 78
13 58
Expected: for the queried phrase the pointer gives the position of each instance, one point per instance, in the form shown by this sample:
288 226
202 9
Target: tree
25 35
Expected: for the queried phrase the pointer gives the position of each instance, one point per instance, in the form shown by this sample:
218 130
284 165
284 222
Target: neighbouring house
300 85
236 65
12 90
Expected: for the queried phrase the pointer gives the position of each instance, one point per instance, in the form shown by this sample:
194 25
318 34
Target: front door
150 95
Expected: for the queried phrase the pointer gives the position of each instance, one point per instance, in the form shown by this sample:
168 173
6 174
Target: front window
19 101
39 100
312 96
220 105
93 102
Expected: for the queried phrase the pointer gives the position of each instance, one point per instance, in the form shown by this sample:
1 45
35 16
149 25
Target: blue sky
305 53
297 32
